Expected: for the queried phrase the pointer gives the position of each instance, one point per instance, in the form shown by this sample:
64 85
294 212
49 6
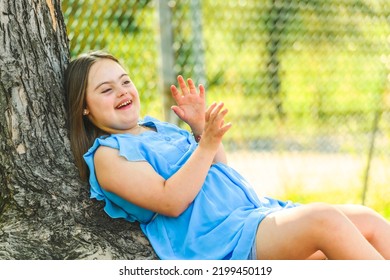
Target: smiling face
112 101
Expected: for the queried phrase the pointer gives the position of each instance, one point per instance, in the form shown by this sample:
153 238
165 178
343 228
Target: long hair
82 132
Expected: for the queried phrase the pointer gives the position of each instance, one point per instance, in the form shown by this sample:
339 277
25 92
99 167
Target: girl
190 204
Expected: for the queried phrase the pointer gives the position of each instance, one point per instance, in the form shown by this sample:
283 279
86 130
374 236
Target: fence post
370 155
197 46
167 59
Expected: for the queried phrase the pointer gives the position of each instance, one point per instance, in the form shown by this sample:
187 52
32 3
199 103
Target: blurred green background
307 83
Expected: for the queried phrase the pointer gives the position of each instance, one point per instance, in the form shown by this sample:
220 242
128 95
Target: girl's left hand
191 105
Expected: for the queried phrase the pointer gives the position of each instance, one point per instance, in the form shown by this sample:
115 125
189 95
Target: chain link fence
306 82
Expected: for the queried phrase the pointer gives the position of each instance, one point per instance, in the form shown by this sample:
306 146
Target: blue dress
220 223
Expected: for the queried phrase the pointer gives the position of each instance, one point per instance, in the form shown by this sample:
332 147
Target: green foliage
297 69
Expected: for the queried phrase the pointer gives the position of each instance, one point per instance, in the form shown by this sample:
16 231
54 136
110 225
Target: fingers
191 85
202 91
214 110
209 110
190 89
216 114
174 91
182 85
178 111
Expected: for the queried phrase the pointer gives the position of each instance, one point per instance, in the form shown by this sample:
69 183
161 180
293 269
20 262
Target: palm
191 105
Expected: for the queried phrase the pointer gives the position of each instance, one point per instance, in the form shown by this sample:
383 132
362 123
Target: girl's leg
300 232
317 256
372 225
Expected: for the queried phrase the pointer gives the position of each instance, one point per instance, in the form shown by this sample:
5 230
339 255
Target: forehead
104 70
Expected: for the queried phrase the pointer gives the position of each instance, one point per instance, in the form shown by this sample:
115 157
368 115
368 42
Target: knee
322 210
368 220
367 212
325 216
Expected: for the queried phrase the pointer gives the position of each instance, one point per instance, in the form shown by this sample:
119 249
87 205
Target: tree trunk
45 210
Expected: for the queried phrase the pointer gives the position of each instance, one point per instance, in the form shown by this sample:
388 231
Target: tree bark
45 210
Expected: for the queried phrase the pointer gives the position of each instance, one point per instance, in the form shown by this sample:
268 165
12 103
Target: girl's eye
126 82
106 90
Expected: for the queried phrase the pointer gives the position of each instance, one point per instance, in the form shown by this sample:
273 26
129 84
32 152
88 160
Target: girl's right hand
215 127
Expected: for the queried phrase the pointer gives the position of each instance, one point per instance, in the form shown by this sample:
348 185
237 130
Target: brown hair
82 132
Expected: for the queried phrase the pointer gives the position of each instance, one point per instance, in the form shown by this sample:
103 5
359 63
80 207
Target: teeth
124 104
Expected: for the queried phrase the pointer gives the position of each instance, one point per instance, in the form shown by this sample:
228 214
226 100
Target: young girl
190 204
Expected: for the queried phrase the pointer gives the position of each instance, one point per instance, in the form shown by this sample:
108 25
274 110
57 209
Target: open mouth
124 105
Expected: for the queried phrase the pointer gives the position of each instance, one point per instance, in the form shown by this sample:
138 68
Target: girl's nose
122 91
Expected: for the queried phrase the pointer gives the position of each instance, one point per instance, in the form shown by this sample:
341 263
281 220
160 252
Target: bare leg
372 225
299 233
317 256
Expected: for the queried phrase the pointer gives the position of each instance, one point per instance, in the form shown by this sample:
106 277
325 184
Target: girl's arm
139 183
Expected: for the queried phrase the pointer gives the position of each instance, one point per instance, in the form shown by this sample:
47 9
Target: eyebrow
107 82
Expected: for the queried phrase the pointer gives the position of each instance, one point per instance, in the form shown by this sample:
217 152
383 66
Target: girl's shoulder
161 130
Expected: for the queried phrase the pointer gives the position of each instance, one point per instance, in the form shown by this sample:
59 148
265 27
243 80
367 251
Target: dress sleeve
115 206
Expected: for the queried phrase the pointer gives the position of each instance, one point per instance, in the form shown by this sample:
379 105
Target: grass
378 198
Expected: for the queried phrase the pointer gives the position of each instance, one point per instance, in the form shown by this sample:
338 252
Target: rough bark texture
45 210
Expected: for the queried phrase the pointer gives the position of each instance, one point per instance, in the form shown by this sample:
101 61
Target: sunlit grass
377 198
